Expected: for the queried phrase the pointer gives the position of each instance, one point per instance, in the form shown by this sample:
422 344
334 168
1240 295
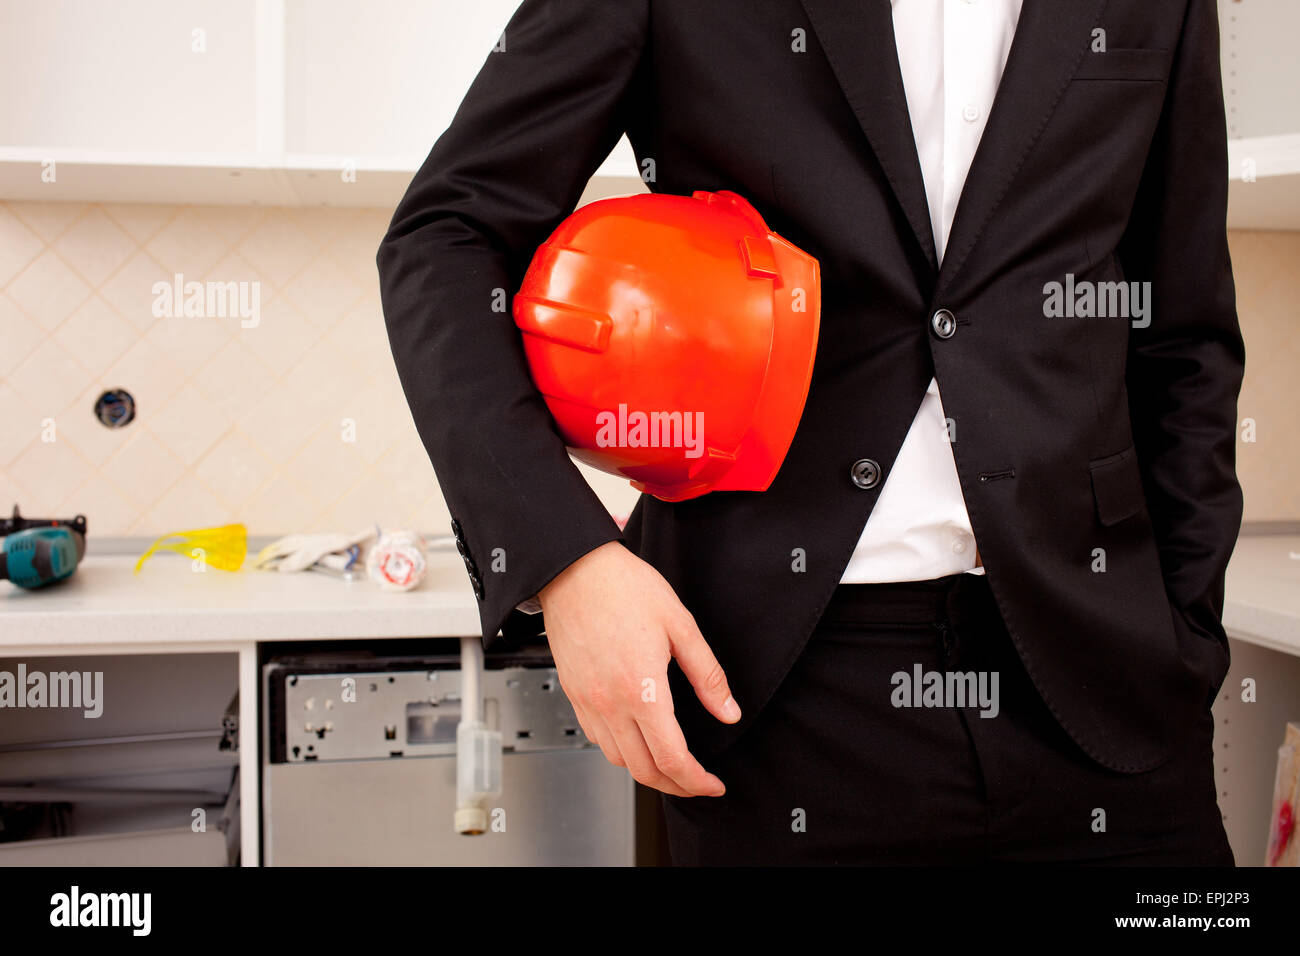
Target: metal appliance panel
359 768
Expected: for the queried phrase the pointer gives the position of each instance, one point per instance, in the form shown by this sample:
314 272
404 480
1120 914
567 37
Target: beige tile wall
1267 269
248 424
233 423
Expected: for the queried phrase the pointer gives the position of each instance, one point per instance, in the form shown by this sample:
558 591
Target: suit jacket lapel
1051 40
858 38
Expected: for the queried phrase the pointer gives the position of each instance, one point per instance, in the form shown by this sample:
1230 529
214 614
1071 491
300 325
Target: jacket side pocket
1117 486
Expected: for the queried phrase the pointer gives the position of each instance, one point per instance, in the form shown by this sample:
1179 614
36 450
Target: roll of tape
397 561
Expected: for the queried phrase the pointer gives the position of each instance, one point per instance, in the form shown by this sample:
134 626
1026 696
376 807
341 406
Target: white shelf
1272 200
239 178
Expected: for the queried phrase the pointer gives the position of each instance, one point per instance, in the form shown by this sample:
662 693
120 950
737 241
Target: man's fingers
604 739
641 763
704 672
663 736
585 723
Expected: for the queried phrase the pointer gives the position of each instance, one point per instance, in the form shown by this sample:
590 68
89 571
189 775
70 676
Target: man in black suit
1065 284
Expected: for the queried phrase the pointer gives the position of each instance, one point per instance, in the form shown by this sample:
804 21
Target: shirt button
959 546
865 473
944 324
971 113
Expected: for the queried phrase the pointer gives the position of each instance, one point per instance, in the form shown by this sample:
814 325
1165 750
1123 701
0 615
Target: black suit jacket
1077 440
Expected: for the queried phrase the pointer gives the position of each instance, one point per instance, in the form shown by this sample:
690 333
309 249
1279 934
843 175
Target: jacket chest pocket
1117 486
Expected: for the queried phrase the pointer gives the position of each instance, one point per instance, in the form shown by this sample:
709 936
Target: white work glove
297 552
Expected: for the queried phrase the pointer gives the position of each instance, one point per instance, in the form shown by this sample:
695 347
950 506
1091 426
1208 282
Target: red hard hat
673 339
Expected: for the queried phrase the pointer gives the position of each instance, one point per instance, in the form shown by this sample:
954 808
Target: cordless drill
39 551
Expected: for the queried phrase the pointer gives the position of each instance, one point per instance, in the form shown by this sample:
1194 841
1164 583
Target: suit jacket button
944 324
865 473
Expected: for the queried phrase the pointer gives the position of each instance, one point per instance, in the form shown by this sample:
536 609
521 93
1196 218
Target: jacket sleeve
543 113
1185 369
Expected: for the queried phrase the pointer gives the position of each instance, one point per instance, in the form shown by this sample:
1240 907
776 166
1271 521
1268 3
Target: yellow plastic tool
223 548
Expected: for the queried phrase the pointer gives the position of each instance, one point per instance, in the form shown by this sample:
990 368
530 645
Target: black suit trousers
835 771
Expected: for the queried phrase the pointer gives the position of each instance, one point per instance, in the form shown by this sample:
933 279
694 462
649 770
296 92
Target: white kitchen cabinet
289 102
1261 75
141 77
131 762
310 102
381 79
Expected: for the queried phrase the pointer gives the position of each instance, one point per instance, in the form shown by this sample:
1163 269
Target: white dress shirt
951 54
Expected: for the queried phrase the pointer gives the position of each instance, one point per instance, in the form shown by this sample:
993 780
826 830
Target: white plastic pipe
471 680
478 749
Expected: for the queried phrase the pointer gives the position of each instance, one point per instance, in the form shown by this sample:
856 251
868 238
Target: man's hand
614 624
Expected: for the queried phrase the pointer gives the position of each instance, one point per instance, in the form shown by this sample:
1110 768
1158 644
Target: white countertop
1263 592
167 603
104 603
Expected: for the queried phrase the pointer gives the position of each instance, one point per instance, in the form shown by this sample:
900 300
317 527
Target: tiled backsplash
232 423
292 418
1267 269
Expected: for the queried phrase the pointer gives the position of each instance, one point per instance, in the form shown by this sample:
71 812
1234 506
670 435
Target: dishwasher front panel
359 768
